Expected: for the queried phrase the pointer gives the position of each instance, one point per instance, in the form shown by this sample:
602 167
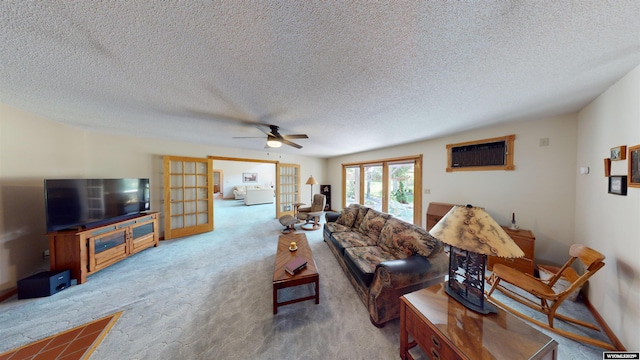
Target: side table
296 206
445 329
526 241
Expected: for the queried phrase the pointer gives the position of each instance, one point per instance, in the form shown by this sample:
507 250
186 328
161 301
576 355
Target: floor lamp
311 182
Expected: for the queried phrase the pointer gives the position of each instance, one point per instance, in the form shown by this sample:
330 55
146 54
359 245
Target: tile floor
77 343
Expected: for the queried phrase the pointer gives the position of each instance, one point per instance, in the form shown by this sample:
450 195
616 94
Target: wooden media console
87 251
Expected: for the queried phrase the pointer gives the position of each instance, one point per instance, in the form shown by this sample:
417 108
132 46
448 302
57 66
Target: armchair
311 214
239 192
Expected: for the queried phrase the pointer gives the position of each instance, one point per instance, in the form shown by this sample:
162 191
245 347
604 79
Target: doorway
284 197
218 182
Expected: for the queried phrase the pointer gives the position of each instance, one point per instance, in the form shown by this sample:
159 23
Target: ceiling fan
274 138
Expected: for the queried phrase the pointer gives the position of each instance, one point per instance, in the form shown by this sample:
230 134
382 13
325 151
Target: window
401 181
352 184
487 154
373 184
393 186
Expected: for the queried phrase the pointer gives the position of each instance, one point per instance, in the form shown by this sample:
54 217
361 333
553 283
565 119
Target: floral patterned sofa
383 257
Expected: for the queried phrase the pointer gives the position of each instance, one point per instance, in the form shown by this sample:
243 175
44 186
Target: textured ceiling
353 76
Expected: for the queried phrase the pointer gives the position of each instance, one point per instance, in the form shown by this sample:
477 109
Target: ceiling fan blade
263 128
213 116
285 141
295 136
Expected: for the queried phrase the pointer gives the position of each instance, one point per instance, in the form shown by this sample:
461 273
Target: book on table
296 264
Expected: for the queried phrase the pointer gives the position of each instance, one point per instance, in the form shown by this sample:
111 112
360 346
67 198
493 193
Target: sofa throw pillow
362 211
398 238
426 244
347 217
373 223
404 239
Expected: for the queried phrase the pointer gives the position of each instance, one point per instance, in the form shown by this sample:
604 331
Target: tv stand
86 251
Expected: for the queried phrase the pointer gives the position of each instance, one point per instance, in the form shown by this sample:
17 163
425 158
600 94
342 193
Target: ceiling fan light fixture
273 142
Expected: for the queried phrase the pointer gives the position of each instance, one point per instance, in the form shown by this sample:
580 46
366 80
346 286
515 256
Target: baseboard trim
5 294
603 324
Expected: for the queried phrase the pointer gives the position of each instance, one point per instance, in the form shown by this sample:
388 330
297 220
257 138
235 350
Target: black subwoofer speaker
42 284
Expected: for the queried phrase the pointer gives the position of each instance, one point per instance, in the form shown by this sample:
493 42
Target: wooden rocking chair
549 299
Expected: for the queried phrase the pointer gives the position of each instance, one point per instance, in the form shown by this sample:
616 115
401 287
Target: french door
288 188
393 186
188 196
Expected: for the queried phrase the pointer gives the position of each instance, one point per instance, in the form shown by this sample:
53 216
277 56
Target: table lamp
472 235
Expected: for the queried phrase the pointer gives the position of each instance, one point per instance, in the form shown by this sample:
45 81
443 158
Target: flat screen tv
86 203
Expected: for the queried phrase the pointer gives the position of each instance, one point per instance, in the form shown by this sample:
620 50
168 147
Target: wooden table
308 275
445 329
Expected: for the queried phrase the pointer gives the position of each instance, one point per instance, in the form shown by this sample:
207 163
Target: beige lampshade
312 181
472 229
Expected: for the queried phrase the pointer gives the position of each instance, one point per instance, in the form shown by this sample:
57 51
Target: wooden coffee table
308 275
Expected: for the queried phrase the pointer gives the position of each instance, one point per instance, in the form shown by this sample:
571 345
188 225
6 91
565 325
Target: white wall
540 190
30 147
33 148
611 223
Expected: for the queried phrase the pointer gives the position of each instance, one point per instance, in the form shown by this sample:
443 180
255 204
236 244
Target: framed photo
619 153
634 166
607 167
249 177
618 185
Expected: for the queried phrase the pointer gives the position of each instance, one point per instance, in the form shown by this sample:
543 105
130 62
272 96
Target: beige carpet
209 297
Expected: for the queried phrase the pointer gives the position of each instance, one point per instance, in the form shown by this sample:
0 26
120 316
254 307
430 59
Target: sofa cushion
373 223
332 227
347 239
347 216
404 239
362 261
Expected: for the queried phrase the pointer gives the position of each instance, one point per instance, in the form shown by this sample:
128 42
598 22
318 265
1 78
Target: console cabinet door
143 236
107 248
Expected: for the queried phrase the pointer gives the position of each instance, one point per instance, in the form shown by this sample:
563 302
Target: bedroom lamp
472 235
311 181
273 142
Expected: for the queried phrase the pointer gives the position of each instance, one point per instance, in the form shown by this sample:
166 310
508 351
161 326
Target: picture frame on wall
618 185
249 177
619 153
634 166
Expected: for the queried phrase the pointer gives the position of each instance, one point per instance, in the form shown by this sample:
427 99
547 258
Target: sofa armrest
331 216
395 278
412 270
